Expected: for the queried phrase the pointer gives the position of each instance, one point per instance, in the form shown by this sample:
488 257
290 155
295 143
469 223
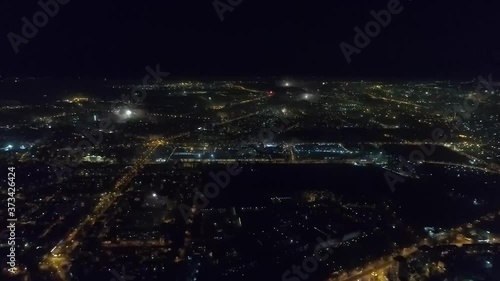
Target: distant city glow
125 114
308 97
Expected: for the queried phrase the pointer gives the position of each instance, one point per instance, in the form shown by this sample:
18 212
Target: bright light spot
128 112
154 195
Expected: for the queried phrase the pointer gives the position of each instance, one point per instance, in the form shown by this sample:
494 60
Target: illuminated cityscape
226 179
237 140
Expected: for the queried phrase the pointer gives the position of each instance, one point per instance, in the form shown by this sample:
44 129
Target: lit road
246 89
58 260
238 118
295 160
379 266
486 170
395 101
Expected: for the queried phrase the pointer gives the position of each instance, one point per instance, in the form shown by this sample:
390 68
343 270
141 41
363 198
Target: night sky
104 38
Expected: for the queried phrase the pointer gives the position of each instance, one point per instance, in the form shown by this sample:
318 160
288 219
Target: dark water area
439 198
257 184
447 198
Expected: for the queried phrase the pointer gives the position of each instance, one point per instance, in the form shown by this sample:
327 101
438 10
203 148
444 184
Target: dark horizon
258 38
